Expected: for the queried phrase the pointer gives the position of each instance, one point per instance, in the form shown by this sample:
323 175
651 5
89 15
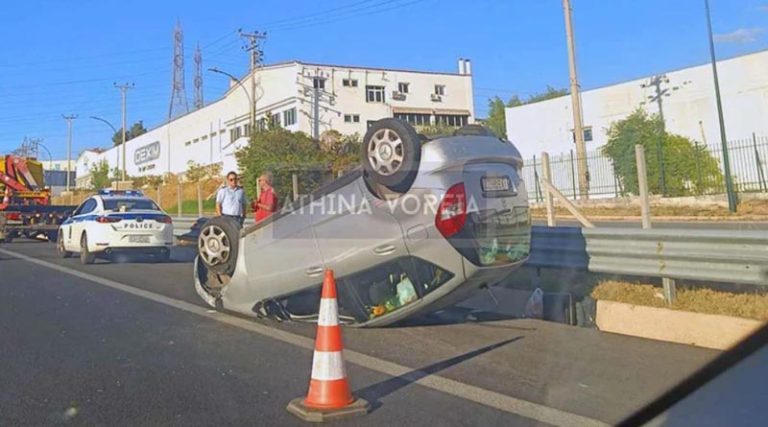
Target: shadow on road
375 392
179 255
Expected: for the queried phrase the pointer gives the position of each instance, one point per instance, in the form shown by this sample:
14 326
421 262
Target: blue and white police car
112 222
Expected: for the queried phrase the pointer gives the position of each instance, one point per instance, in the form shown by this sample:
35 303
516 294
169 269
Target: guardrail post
295 182
178 200
642 183
199 200
670 289
159 200
547 177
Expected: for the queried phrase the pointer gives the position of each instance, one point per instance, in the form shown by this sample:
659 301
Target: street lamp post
723 140
252 116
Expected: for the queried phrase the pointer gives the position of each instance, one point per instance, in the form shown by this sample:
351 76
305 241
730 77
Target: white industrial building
689 109
349 99
688 104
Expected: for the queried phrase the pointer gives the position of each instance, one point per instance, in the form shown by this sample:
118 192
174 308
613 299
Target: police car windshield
129 204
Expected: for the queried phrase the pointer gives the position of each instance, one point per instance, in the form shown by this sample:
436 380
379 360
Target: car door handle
384 249
314 271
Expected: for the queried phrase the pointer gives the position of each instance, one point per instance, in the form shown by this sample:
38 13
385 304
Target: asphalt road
130 343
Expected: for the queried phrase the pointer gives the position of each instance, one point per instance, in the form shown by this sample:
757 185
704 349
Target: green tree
99 175
283 153
550 93
496 121
688 169
135 130
195 172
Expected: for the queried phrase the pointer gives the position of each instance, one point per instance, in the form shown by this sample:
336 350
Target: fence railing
748 161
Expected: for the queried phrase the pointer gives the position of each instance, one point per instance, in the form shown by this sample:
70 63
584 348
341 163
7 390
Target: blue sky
62 57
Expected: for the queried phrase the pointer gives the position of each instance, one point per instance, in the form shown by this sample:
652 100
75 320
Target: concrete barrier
684 327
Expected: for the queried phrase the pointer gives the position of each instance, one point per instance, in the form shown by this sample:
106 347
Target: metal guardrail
707 255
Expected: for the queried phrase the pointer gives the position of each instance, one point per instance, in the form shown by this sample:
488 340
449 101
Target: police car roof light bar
109 192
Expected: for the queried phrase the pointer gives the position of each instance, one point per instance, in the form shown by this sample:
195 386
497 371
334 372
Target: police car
113 222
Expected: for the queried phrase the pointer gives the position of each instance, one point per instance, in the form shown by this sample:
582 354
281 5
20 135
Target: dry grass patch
700 300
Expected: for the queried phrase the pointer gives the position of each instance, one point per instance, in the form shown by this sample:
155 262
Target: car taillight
165 219
108 219
452 211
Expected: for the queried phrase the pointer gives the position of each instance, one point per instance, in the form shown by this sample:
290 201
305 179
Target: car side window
87 207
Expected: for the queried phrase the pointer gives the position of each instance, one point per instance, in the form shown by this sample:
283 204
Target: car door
355 231
79 220
280 256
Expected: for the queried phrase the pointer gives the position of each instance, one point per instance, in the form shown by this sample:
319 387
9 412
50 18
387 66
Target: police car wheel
86 257
63 253
217 244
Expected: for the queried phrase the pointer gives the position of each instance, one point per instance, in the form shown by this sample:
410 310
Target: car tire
391 154
217 244
86 257
60 251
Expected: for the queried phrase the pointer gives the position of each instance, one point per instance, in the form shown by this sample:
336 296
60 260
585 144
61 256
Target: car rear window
127 204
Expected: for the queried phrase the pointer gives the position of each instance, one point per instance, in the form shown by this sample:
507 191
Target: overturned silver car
420 226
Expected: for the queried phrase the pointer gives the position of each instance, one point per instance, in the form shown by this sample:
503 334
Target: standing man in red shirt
267 201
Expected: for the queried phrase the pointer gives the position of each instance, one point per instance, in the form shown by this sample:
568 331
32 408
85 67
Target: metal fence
748 161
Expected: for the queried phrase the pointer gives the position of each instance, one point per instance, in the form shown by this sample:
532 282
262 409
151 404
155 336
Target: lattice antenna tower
198 78
178 94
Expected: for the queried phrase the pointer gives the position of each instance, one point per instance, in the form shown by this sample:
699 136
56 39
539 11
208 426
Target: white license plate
138 239
495 183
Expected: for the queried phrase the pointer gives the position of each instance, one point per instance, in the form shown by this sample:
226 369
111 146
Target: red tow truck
25 209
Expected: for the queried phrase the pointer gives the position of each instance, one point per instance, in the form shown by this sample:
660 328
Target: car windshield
130 204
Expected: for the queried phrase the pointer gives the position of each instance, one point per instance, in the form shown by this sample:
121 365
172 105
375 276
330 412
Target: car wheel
86 257
391 154
63 253
218 244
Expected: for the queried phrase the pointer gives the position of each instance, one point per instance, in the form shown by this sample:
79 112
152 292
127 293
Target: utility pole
69 119
578 126
253 46
123 89
656 82
723 140
318 85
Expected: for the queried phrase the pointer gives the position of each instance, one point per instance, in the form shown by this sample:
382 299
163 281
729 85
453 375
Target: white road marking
492 399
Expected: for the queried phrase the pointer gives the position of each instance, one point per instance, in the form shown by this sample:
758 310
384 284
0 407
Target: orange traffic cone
329 395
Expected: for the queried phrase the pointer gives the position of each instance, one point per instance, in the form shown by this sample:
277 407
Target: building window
196 140
374 94
454 120
204 137
440 90
247 129
188 143
351 118
403 87
261 124
370 123
289 117
275 121
235 133
349 82
588 136
415 119
318 83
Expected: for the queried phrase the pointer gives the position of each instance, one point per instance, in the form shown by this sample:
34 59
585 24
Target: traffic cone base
317 415
329 396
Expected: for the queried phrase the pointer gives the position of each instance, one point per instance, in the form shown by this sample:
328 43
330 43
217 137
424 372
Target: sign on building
147 153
